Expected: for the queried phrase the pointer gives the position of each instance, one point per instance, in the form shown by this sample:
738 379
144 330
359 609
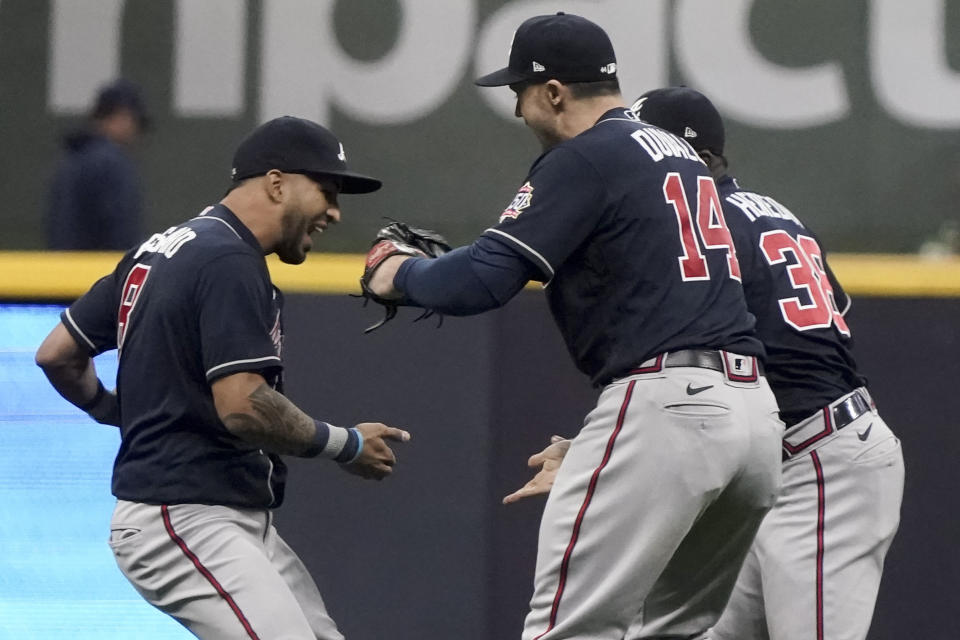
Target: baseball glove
398 238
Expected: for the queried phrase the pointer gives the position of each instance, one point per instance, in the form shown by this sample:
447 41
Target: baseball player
198 329
814 569
666 483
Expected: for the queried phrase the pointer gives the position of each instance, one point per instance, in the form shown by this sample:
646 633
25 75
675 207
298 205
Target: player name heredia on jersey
756 206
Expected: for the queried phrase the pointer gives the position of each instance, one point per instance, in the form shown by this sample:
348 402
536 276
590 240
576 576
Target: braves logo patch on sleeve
520 202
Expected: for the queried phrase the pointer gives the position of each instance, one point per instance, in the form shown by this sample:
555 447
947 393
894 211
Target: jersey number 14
709 224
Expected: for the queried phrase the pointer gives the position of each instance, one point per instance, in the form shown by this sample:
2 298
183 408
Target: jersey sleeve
92 319
467 280
239 317
553 212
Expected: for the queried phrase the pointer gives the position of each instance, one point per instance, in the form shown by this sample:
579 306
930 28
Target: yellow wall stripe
897 276
47 275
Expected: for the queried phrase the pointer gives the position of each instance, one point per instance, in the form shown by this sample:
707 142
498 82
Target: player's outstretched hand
549 462
376 459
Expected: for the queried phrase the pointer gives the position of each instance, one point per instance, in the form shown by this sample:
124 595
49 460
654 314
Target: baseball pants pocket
885 449
132 542
687 408
120 535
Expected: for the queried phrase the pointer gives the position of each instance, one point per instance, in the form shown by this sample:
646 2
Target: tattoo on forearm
278 425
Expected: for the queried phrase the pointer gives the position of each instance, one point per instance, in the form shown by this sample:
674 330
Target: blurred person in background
95 202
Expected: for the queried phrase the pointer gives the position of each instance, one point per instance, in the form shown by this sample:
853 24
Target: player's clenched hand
381 279
395 243
549 462
376 460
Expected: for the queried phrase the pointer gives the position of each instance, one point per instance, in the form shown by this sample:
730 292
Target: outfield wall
430 552
481 394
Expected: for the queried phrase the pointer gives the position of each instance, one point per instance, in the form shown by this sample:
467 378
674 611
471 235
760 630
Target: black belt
702 358
802 436
849 410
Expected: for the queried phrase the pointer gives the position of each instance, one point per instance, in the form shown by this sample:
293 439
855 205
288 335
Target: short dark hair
595 89
120 94
578 90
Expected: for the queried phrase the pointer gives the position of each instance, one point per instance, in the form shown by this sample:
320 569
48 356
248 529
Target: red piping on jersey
821 509
565 565
206 573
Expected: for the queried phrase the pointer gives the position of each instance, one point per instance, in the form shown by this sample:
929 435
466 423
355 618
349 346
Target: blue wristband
329 441
352 449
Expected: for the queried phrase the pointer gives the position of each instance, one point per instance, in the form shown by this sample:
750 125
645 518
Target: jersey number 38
808 275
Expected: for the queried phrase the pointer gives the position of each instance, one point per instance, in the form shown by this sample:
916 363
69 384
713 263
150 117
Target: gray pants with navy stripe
813 572
222 572
656 504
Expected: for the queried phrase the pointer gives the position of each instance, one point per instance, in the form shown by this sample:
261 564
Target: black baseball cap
684 112
121 94
295 145
560 47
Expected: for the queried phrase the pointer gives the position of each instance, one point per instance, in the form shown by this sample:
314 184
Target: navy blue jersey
798 303
624 225
94 197
185 308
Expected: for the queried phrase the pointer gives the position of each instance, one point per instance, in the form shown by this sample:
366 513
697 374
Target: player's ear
716 164
555 92
273 185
